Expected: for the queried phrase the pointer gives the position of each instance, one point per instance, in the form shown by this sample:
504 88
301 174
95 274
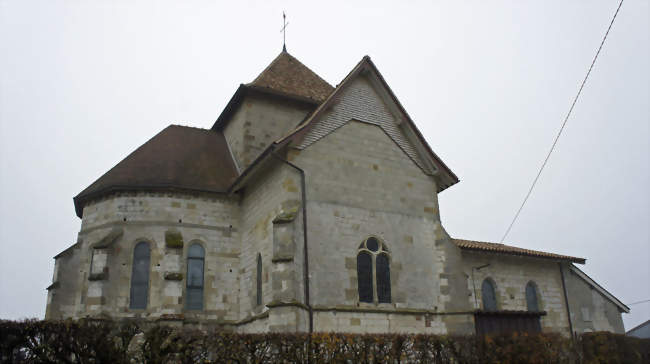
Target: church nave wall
271 232
510 276
361 184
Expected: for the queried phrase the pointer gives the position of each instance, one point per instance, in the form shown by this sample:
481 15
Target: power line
636 303
563 124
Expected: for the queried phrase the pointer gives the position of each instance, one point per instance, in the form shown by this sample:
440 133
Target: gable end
361 102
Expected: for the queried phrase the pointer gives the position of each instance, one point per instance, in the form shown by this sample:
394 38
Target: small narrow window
373 272
195 263
140 276
259 279
531 297
488 295
383 278
364 276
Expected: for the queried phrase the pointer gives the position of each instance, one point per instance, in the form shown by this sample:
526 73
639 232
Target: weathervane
284 32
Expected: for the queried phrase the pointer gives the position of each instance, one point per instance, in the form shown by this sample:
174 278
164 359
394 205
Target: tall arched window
140 276
488 295
373 272
531 297
259 279
195 262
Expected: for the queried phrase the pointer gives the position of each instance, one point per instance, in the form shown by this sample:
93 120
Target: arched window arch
373 272
488 295
195 263
259 279
140 276
532 295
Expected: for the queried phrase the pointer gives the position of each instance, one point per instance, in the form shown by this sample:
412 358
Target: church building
305 208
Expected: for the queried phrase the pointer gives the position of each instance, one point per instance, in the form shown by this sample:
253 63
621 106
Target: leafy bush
104 341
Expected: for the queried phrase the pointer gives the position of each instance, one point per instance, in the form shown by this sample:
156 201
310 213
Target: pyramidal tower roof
288 75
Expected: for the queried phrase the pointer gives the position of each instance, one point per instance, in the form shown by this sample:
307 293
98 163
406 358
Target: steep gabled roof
285 78
288 75
178 158
445 176
512 250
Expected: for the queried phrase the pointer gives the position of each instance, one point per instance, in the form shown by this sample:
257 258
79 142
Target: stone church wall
61 298
590 310
361 184
259 121
271 225
510 275
110 230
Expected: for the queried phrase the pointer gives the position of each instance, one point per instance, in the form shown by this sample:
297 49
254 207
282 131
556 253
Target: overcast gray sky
84 83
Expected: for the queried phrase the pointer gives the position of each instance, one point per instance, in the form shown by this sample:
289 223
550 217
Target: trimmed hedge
98 341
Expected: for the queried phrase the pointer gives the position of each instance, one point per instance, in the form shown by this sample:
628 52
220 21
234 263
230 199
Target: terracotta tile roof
512 250
179 157
287 75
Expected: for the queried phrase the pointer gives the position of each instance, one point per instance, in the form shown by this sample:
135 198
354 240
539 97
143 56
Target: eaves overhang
497 248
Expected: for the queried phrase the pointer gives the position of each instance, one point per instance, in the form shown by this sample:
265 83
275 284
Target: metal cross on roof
284 32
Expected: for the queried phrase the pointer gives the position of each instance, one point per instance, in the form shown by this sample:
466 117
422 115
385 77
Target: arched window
140 276
195 260
373 272
531 297
364 276
259 279
488 295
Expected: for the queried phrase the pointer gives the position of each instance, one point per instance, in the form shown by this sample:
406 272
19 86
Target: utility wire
563 124
636 303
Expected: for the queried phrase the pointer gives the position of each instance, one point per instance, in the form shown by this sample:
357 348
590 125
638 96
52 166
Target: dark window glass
372 244
364 276
383 278
489 296
531 297
259 279
195 272
195 260
195 251
140 276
